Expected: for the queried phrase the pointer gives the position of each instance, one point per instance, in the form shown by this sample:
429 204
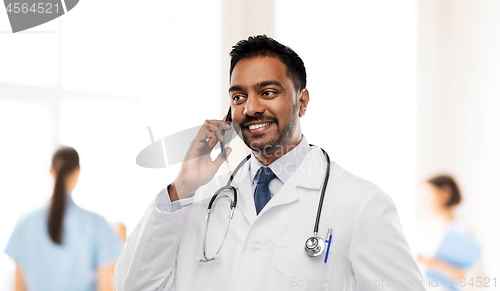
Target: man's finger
211 138
219 123
219 160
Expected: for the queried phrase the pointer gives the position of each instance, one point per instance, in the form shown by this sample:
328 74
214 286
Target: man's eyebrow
257 86
235 88
267 83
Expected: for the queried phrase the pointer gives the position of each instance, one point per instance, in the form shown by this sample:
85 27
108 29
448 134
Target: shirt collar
286 165
69 199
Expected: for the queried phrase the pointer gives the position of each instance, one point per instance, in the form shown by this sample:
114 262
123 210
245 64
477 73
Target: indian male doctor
278 191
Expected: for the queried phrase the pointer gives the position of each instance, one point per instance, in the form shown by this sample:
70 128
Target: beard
276 142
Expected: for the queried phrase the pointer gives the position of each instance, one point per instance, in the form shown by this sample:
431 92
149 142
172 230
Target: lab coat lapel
311 171
286 194
246 203
245 196
309 175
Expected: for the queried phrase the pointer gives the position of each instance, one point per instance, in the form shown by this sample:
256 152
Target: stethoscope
314 245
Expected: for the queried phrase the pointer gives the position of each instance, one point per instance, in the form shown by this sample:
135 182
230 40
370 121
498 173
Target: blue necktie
262 194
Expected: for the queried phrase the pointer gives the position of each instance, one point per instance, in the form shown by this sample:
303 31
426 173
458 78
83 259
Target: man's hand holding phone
198 168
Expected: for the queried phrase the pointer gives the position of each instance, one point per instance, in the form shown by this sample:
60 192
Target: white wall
459 106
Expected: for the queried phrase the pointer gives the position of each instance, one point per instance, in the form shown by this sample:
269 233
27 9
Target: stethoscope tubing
228 185
235 199
323 190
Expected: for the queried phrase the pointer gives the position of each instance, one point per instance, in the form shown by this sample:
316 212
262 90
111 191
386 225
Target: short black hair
443 181
262 46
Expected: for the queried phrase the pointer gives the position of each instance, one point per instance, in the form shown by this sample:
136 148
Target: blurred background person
61 246
120 230
447 251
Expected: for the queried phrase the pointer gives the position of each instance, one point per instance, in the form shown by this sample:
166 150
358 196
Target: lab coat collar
284 166
311 171
309 175
287 194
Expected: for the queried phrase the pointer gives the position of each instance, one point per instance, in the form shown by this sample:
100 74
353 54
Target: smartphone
226 140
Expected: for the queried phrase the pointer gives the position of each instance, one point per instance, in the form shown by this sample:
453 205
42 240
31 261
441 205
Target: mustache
248 119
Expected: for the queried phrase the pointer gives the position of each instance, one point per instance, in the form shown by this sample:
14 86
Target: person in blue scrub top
61 246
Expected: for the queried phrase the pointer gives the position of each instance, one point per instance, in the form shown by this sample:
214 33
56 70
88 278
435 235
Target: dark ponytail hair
64 162
443 181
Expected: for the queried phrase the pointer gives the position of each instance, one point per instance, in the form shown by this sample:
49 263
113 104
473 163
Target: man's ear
303 99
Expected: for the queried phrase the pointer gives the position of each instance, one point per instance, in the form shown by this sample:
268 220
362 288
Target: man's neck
268 157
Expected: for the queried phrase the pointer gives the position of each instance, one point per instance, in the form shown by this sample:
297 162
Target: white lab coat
267 252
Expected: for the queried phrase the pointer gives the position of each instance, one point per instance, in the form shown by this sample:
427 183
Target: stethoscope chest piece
314 246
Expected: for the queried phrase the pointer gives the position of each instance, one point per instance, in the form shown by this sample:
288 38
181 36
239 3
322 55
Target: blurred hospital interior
400 92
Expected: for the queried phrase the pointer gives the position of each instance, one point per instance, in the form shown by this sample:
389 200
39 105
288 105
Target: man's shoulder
206 191
345 185
353 187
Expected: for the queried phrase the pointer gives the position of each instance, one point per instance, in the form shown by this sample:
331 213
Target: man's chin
265 146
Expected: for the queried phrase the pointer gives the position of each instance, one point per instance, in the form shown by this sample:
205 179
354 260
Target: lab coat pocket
293 269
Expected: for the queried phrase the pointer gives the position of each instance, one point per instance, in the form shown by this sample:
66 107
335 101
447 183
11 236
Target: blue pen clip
329 241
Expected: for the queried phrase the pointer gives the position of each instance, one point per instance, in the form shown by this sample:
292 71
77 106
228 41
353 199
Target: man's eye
268 93
238 98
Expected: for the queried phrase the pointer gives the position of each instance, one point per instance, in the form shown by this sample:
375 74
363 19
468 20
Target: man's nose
254 105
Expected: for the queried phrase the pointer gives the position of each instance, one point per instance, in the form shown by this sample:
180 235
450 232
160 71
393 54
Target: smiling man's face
265 104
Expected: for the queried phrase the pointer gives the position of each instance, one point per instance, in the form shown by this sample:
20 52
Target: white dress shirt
283 167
